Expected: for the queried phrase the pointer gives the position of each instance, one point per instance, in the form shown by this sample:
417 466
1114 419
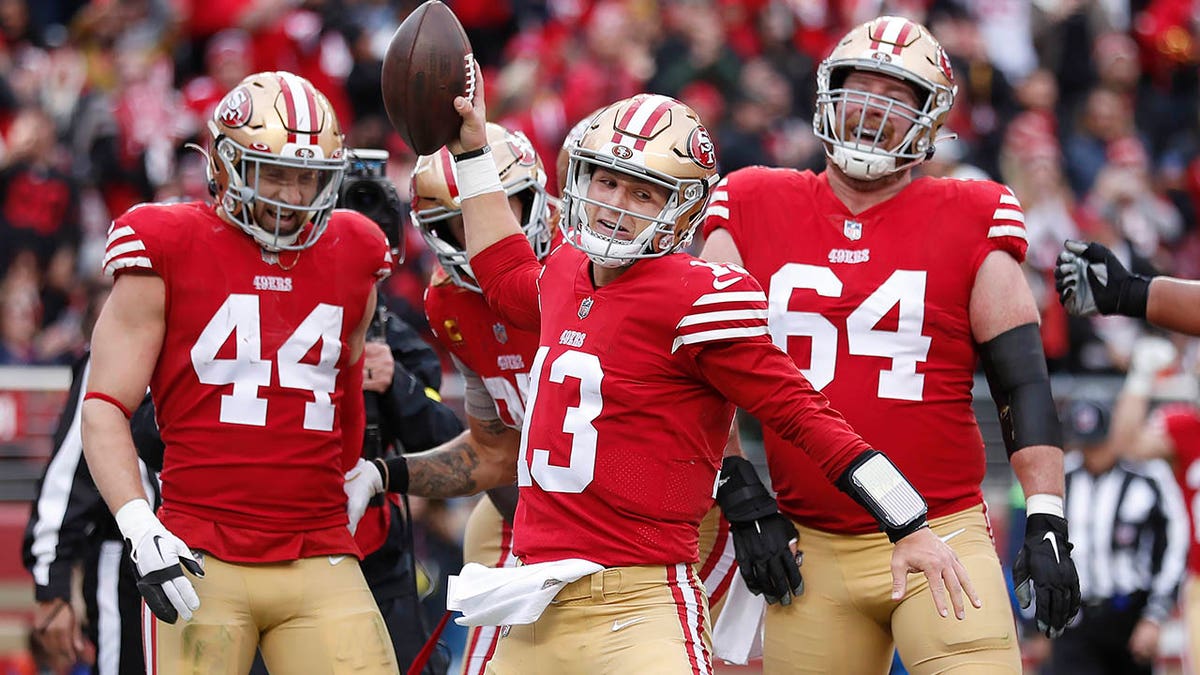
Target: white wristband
477 176
1051 505
135 519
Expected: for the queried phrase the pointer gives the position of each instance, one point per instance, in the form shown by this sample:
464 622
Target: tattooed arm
482 457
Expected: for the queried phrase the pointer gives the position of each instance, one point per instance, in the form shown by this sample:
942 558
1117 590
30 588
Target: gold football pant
624 620
314 616
846 621
1191 620
488 541
717 564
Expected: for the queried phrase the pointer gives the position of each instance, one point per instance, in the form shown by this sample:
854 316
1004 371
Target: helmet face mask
899 49
276 128
435 200
650 138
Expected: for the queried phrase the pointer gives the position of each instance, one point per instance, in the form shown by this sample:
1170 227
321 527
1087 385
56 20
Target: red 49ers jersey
627 419
873 307
251 376
1182 424
493 348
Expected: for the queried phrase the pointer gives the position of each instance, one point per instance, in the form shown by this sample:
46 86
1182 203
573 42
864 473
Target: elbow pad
1015 367
879 487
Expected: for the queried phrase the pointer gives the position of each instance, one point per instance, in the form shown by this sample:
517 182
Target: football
428 62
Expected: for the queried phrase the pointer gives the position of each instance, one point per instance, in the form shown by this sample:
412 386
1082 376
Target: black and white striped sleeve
65 507
68 511
1171 564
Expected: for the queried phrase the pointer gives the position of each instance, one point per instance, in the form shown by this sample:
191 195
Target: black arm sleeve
1015 367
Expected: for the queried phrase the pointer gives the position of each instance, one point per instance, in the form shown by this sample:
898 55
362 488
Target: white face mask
607 251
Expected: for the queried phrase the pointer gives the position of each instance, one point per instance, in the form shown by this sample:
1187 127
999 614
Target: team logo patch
852 229
236 108
585 307
522 149
944 64
452 331
622 152
701 148
500 332
305 153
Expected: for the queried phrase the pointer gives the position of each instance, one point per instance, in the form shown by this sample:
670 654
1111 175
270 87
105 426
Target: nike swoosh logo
1049 536
952 535
722 285
618 625
721 483
335 559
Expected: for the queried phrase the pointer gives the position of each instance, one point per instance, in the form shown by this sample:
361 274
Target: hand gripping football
428 62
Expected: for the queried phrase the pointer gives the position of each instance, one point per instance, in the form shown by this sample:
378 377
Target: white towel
501 596
737 637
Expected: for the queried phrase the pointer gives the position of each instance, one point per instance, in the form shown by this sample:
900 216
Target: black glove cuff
741 494
1134 296
1038 524
395 473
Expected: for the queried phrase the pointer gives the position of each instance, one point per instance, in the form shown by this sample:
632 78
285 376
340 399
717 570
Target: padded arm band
875 483
1015 367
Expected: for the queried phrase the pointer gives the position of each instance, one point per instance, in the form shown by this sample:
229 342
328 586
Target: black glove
1090 279
1045 564
762 537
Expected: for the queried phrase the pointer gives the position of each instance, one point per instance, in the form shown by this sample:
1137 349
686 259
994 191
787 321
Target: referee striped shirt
70 525
1130 529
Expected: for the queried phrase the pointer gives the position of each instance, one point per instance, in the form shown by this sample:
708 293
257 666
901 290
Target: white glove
362 483
158 556
1151 355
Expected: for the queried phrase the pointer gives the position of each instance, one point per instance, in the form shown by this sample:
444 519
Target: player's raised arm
484 203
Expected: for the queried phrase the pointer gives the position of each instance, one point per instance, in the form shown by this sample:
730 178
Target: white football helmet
654 138
435 200
275 119
899 48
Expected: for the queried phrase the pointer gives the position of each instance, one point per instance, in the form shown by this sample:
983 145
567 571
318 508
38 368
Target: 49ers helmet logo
521 148
700 148
236 108
944 64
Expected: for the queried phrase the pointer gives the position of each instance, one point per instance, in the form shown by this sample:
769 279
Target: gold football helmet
275 119
654 138
898 48
436 205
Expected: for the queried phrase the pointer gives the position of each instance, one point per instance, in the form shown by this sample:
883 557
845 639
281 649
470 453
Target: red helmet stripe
630 111
448 172
652 121
877 32
902 39
290 105
311 101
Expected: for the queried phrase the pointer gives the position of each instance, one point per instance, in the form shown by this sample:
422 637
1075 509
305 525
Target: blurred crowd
1087 109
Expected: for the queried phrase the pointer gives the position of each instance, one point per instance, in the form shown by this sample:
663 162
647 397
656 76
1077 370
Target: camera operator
401 378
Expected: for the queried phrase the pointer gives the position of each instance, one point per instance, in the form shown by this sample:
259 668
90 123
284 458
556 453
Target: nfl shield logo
585 307
500 332
852 229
